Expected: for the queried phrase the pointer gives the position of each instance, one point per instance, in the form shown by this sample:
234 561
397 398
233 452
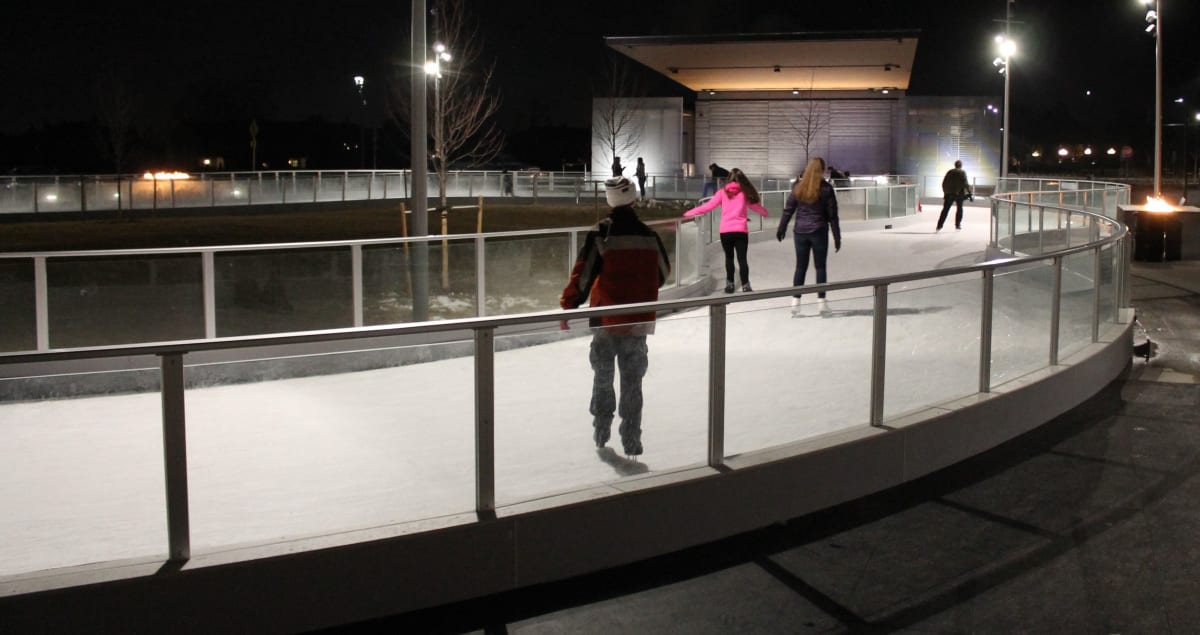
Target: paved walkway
1087 525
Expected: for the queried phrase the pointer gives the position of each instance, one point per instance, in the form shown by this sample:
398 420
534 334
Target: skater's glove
837 246
779 234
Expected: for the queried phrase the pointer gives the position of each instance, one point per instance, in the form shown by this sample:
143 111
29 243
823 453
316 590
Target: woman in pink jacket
734 199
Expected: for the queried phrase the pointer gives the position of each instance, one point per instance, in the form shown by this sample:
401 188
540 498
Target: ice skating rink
82 479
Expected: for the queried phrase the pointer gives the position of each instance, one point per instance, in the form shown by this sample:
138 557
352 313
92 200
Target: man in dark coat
955 188
622 261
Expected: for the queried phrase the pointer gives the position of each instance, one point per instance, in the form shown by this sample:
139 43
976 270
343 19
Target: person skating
621 261
955 188
814 203
734 199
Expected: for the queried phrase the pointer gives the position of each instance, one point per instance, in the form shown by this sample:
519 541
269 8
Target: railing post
716 385
985 331
41 303
1096 291
1055 308
208 281
878 353
356 279
345 182
1068 230
172 193
82 195
1041 229
1012 227
175 457
485 433
678 248
480 273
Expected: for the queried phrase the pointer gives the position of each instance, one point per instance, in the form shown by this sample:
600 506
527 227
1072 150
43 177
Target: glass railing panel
1108 287
1022 300
328 186
343 441
526 274
852 204
264 189
124 300
450 269
932 344
1078 303
190 193
261 292
544 394
82 477
688 261
672 241
877 202
793 374
1002 212
16 196
58 196
18 313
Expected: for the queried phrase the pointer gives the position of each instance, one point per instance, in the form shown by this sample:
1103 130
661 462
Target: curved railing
460 465
107 297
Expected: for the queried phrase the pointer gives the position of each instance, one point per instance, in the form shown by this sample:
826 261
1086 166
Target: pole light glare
1062 152
358 81
1008 48
431 68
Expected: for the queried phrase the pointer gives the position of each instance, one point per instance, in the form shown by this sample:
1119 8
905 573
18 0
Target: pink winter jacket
733 208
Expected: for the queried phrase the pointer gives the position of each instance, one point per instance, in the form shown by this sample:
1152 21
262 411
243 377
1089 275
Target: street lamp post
362 126
434 68
1007 49
1154 28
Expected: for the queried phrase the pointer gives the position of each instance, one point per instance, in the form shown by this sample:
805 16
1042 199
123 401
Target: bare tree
115 108
464 99
810 120
616 124
116 112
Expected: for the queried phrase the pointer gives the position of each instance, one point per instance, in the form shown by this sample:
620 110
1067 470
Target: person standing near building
622 261
734 199
814 203
716 173
640 173
617 168
955 187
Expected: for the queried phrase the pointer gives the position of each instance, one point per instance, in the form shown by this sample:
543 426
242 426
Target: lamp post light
359 80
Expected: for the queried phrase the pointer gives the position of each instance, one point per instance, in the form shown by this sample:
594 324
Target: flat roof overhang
863 60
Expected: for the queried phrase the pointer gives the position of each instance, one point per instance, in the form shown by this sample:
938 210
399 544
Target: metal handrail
484 328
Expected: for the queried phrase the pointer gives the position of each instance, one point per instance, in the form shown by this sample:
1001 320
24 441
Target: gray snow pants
629 354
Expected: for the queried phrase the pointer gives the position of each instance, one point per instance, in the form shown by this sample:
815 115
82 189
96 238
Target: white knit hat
619 191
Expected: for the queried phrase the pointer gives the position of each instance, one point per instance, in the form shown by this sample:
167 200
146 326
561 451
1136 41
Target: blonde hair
748 189
808 186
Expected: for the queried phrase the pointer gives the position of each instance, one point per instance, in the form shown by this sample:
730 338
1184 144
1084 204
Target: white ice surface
82 479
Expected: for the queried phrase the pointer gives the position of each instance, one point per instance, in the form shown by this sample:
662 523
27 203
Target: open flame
1157 204
166 176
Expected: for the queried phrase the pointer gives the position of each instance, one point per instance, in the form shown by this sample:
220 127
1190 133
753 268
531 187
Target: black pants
642 185
817 244
736 242
957 200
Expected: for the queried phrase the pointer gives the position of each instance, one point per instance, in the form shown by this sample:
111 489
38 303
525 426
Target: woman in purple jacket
734 199
814 204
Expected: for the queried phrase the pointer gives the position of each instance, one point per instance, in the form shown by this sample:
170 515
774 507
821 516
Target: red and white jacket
622 261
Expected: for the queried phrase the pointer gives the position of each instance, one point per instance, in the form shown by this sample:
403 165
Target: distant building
765 103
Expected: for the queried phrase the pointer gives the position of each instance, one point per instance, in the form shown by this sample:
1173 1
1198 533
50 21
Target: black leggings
731 242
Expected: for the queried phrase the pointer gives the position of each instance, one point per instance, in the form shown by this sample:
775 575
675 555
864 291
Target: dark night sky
293 60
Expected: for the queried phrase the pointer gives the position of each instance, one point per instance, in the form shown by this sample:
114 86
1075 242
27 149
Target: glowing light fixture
1036 154
166 176
1087 151
1158 205
1062 152
1110 151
